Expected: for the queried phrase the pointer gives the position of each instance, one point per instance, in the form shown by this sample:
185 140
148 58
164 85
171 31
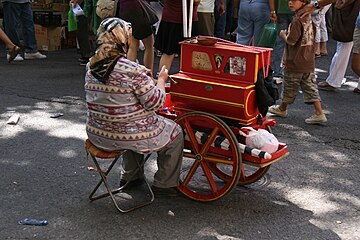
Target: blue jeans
282 24
15 13
220 20
252 18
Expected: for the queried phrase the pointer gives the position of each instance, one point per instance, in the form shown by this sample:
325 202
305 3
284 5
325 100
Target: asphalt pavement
313 193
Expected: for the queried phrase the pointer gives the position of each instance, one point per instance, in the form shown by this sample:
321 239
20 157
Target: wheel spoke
191 173
209 177
191 135
209 141
243 173
218 160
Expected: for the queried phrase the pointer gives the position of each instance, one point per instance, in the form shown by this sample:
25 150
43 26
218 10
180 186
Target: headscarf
112 39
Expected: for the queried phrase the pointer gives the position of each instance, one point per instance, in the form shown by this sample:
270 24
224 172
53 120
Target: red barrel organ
212 97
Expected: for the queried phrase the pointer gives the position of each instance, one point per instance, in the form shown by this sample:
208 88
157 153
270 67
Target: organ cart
212 97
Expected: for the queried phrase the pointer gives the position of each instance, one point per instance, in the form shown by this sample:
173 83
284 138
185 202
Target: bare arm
273 16
309 8
163 75
221 7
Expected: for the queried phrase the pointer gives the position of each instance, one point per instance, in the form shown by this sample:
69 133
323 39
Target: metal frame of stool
104 174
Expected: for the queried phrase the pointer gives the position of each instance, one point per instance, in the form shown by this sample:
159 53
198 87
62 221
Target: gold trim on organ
213 83
207 99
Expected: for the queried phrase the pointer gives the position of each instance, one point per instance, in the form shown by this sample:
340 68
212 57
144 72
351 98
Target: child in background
321 37
299 62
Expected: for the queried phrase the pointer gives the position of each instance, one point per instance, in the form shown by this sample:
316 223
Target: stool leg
152 197
102 180
111 193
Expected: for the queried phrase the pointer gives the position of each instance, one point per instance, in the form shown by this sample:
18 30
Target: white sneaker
35 55
278 80
316 119
17 58
276 110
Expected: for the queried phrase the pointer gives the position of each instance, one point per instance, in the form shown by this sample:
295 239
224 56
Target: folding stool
96 153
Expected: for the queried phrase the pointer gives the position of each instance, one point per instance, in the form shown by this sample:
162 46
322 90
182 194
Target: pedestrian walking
300 65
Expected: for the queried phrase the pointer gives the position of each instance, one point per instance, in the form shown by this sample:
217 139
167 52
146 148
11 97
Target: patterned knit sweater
121 113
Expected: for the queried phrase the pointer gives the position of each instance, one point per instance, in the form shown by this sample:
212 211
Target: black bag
149 12
343 21
266 91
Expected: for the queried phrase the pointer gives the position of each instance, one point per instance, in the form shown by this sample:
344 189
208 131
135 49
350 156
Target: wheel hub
198 157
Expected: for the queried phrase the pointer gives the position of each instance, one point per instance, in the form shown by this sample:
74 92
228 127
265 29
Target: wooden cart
212 97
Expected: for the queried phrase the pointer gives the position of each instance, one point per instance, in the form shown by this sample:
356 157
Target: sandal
326 86
13 53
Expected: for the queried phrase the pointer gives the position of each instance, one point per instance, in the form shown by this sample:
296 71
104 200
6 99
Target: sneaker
316 119
168 192
35 55
13 53
276 110
356 90
17 57
278 80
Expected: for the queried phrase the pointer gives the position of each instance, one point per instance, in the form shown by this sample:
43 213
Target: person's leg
129 165
323 31
355 62
311 96
261 16
166 60
149 52
27 22
318 108
12 13
206 24
9 44
82 35
339 64
245 28
316 20
169 164
220 21
283 23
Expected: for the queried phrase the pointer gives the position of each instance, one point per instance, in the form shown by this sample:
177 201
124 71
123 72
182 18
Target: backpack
106 8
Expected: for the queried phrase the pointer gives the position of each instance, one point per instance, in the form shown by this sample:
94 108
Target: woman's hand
163 76
273 16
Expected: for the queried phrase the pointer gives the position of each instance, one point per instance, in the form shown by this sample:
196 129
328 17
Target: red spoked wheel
208 141
251 174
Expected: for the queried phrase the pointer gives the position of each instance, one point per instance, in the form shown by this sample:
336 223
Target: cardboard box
48 38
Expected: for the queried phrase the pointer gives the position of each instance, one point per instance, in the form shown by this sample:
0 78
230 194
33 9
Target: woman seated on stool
122 99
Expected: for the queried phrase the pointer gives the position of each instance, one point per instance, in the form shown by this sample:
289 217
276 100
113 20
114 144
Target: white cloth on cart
223 143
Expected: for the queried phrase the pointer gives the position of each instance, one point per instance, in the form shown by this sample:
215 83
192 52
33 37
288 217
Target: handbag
72 22
268 36
106 8
149 12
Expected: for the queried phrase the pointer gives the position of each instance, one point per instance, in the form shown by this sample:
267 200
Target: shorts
206 23
356 47
140 28
307 82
